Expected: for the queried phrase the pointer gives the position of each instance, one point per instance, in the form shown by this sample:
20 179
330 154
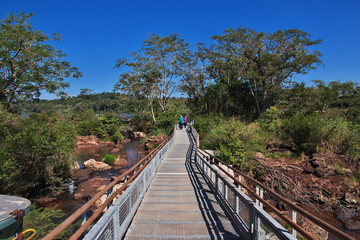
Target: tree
28 64
153 70
195 79
264 61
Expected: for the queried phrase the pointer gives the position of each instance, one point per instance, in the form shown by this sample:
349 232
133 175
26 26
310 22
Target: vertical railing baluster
293 218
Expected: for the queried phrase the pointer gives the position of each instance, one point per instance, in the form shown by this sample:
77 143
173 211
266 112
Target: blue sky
97 33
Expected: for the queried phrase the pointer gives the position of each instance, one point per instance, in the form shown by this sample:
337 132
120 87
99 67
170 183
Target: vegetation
42 220
28 64
109 159
36 152
239 90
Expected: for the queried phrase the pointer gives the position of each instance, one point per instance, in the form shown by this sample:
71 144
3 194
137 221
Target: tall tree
153 69
194 79
264 61
28 64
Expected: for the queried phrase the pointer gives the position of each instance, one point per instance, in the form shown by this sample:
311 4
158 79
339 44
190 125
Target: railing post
225 191
293 218
116 222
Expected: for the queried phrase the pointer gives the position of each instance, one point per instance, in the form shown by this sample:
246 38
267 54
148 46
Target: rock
350 198
120 162
125 140
352 224
96 155
86 141
76 166
109 143
347 172
115 150
343 213
82 174
97 166
119 145
45 199
139 135
312 228
88 189
259 156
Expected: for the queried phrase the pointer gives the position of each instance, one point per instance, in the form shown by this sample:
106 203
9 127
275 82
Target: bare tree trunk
152 111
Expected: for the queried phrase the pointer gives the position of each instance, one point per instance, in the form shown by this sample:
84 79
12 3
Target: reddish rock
82 174
97 166
120 162
126 140
115 150
119 145
88 189
139 135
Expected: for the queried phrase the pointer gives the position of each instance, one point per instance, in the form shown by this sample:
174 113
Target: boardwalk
179 203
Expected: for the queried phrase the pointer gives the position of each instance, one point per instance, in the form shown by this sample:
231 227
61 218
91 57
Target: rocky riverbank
93 174
325 184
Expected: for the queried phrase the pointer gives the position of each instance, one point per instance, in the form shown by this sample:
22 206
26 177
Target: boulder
115 150
76 166
139 135
343 213
120 162
125 140
97 166
82 174
88 189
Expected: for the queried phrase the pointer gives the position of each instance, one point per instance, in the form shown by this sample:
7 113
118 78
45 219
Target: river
131 152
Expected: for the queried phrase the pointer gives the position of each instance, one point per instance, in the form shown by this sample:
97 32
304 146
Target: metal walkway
179 203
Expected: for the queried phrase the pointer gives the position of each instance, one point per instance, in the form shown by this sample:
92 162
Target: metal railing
247 210
115 221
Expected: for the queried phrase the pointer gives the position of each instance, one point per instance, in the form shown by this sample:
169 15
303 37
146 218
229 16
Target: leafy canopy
28 64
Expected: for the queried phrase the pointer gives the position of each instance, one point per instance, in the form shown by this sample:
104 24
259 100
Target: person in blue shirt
181 122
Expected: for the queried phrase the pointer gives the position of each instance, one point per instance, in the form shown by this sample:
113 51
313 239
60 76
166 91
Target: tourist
181 122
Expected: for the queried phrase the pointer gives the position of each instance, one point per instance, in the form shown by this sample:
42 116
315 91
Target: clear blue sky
97 33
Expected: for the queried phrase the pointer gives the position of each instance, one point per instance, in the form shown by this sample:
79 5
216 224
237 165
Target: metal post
293 218
225 191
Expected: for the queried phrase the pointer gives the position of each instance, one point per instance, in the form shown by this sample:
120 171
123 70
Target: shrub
315 133
40 149
43 220
236 142
109 159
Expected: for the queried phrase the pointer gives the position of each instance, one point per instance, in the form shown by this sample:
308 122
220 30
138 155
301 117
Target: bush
36 152
236 142
315 133
109 159
42 220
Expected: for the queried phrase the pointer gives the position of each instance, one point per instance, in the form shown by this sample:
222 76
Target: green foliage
109 159
315 133
271 120
152 71
236 142
262 62
42 220
28 63
87 123
36 152
107 127
166 120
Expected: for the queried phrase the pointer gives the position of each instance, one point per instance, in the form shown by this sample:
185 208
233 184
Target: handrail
140 165
331 229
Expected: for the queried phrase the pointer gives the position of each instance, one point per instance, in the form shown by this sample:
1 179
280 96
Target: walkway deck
179 203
